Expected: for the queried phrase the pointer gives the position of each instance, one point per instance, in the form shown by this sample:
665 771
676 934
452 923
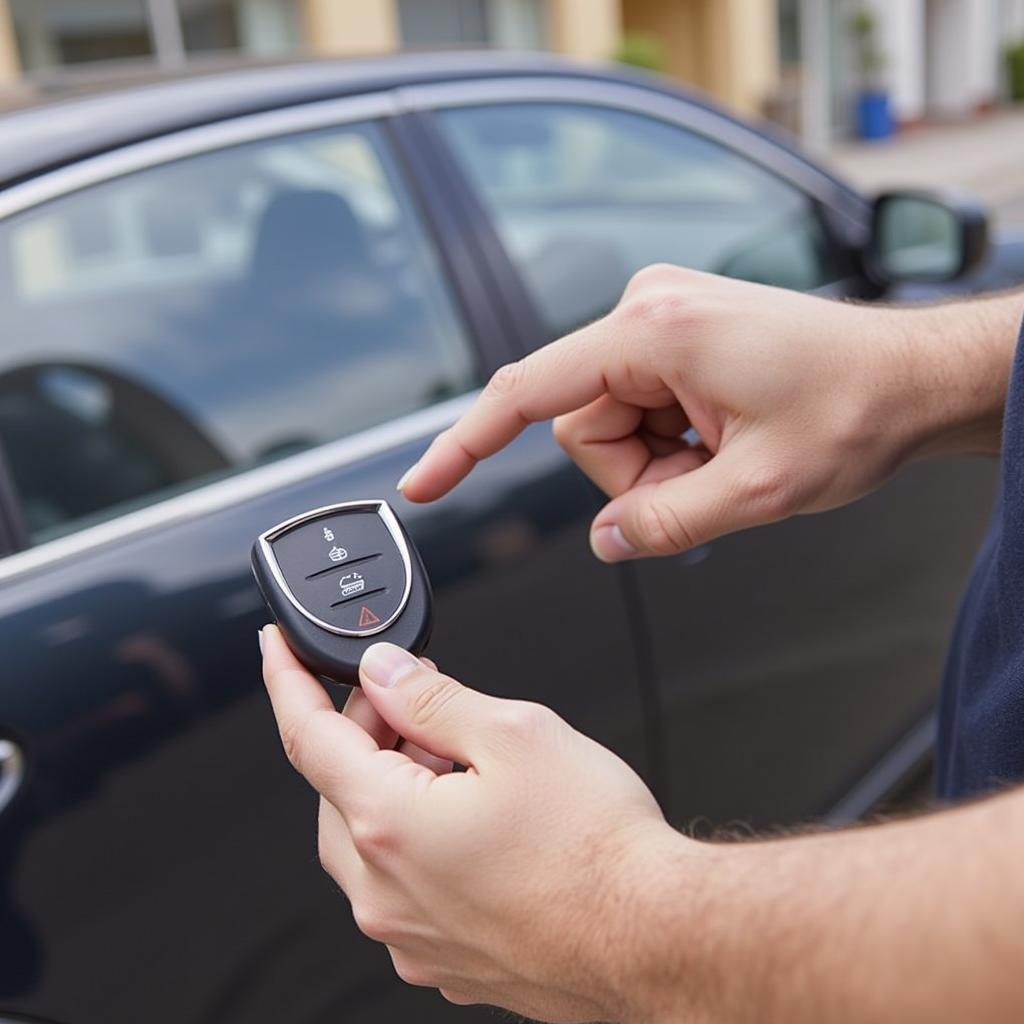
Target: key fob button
375 566
341 578
363 613
324 545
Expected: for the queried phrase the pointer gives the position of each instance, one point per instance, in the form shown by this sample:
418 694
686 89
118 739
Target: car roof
73 118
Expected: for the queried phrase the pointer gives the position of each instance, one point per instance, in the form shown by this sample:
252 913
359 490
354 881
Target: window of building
208 315
255 27
55 32
443 24
584 196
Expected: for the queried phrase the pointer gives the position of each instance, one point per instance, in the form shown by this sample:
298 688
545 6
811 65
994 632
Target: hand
519 882
801 404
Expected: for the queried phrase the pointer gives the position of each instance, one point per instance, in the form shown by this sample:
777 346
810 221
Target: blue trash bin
874 117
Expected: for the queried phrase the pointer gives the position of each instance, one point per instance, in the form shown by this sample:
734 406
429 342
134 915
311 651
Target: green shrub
1015 70
870 60
642 50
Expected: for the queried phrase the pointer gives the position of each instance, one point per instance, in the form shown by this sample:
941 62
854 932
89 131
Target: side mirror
925 237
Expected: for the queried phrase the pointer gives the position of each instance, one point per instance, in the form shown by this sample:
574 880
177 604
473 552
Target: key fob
341 578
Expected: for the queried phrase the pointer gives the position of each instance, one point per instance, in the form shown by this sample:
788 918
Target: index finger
558 378
323 745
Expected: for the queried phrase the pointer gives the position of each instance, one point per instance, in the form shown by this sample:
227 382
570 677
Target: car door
203 335
788 659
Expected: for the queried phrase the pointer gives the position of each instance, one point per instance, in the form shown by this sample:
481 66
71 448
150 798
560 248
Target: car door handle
12 772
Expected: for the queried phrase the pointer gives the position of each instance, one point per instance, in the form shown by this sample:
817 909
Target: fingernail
610 545
405 476
259 634
385 664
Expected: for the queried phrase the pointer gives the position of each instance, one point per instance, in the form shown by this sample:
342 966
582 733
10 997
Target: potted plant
1015 70
874 114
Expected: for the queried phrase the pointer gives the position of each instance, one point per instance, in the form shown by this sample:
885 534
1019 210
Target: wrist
665 900
940 375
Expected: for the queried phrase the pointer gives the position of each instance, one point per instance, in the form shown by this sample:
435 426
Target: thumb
432 710
685 511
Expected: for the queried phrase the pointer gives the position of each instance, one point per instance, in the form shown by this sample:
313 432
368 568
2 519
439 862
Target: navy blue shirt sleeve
981 714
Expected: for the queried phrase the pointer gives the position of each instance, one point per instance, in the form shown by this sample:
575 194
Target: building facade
727 47
793 58
937 59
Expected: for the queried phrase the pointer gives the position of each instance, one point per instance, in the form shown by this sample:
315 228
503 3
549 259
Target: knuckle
525 719
305 739
432 699
770 491
652 274
411 972
372 922
298 737
564 431
662 529
640 309
662 308
372 838
290 740
457 998
506 379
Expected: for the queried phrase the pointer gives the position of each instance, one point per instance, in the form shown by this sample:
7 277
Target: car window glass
584 196
208 315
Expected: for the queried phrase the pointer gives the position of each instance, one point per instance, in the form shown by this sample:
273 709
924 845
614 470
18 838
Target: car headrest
307 236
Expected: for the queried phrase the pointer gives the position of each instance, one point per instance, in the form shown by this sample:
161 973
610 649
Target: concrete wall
961 55
984 67
1011 20
901 34
744 49
588 29
10 65
347 28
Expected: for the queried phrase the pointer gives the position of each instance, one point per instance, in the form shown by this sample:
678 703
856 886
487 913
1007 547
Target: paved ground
984 155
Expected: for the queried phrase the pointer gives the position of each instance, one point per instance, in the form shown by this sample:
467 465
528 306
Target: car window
204 316
584 196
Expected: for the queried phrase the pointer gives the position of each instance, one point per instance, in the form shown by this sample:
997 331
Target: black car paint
160 861
164 777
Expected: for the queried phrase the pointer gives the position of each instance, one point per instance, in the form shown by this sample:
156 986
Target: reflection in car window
584 196
207 315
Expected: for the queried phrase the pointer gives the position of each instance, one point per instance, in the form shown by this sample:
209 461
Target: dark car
230 297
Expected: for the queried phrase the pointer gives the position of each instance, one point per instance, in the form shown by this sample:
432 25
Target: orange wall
728 48
679 27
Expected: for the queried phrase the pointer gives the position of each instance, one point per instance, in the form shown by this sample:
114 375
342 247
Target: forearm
912 921
951 364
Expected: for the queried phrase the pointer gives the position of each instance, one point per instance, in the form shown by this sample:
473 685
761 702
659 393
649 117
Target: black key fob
341 578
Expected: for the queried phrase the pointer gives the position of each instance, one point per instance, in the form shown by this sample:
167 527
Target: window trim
208 138
509 324
245 486
744 141
13 531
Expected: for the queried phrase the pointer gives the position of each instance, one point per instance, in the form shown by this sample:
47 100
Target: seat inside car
312 257
318 292
307 238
